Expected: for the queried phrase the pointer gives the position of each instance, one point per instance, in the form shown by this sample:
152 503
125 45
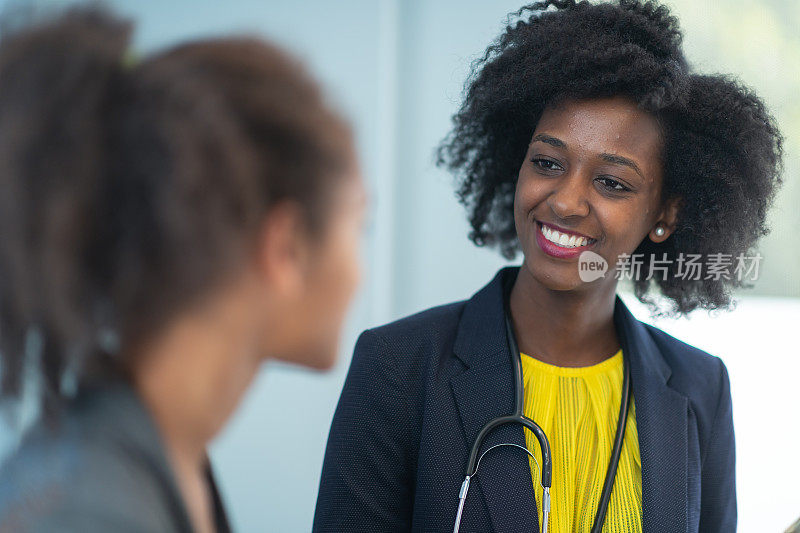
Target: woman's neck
191 379
564 328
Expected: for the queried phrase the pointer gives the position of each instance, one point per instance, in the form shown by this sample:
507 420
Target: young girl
584 138
166 225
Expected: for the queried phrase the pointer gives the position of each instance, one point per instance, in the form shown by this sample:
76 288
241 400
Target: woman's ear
283 250
665 224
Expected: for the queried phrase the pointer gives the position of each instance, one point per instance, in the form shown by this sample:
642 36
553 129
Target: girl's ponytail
59 81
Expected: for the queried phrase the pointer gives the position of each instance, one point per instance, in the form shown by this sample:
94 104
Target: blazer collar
485 390
114 411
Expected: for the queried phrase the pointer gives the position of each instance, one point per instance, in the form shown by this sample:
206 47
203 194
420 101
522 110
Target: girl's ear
284 255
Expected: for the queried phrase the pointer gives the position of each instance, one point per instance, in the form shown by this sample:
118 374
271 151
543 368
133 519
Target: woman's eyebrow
549 140
609 158
620 160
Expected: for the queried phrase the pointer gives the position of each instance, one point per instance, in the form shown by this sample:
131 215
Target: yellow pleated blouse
578 410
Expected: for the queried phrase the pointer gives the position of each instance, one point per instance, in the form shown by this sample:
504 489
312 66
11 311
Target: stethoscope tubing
547 466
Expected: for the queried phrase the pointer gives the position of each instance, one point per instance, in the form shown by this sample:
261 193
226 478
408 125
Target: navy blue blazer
419 390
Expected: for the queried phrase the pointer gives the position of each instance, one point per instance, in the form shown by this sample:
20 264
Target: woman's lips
555 250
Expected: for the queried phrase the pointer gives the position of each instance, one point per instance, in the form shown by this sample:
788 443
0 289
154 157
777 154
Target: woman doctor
583 130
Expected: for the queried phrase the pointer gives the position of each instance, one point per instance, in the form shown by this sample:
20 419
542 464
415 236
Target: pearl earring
659 231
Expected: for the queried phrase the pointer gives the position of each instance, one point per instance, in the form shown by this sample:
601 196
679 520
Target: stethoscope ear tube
519 418
547 464
516 417
622 422
544 443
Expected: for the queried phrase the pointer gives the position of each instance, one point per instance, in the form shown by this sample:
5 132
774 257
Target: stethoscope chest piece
518 417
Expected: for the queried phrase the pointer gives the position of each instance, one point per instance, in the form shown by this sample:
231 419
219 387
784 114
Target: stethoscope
547 465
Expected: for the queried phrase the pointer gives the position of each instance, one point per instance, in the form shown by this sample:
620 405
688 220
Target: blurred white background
396 68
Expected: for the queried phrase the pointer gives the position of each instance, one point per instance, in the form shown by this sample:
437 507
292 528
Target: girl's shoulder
101 468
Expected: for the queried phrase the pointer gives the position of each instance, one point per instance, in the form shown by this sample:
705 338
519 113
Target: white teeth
562 239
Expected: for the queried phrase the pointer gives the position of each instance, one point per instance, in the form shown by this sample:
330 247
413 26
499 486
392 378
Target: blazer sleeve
718 485
367 472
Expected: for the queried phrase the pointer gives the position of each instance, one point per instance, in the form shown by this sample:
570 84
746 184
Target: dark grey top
104 469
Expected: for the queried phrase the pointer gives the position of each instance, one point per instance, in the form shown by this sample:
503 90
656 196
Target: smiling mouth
563 240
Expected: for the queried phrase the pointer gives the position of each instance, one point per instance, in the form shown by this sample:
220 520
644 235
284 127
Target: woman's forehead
616 118
608 125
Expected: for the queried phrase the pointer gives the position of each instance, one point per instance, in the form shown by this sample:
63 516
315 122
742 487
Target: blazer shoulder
70 484
682 356
434 324
699 375
407 348
102 467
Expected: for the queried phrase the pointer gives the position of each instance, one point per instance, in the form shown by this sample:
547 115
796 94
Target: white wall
758 343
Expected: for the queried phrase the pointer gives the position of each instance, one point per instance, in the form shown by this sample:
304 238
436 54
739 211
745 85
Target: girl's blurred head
135 193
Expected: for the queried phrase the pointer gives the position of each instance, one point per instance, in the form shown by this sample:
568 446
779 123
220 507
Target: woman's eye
545 164
613 185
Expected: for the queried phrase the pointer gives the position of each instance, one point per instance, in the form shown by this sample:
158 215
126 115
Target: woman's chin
563 278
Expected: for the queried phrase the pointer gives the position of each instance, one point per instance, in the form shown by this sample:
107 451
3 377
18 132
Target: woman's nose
569 196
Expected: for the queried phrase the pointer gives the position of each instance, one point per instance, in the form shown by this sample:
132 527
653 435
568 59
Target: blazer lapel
485 391
661 422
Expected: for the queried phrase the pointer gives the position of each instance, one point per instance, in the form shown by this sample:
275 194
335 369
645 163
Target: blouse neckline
606 365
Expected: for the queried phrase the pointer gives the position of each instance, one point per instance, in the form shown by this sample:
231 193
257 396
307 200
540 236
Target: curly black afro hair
722 149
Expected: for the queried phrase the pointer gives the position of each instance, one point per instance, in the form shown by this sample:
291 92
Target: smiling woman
592 172
714 151
583 131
